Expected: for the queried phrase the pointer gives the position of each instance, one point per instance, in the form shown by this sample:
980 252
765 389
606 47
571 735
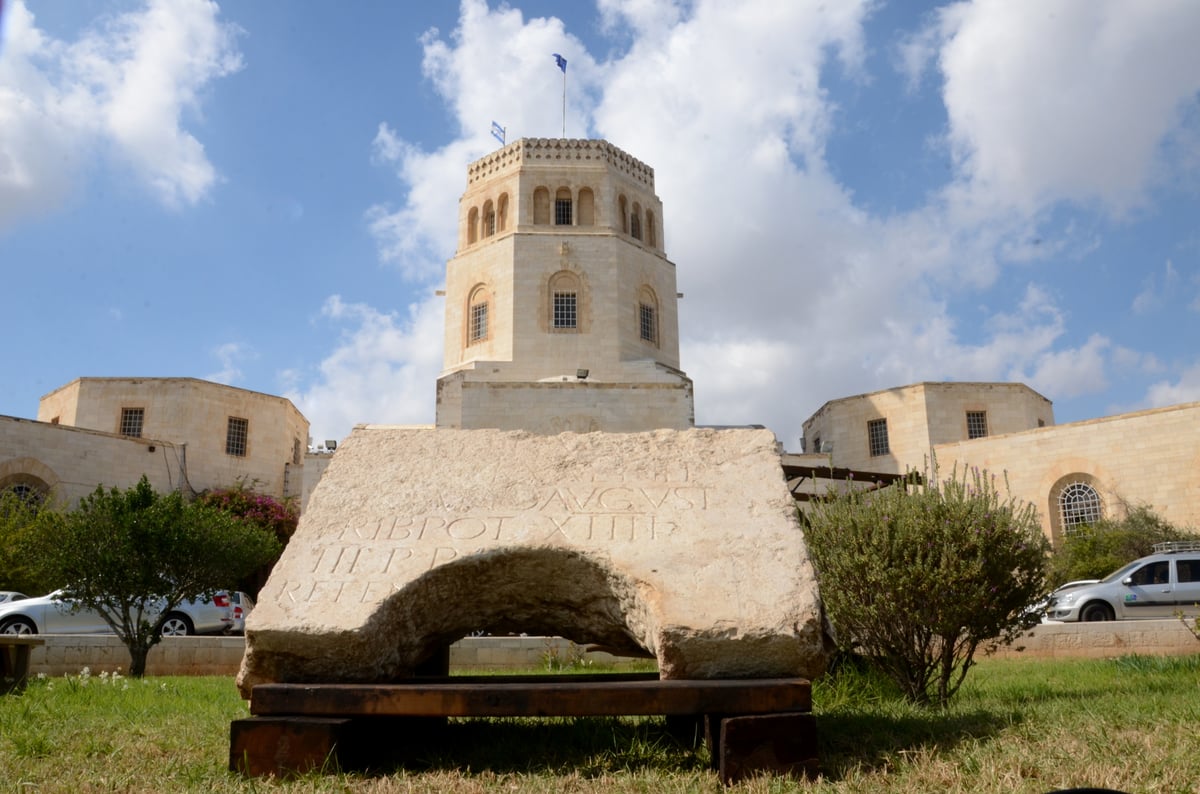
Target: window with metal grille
565 310
1079 505
648 323
976 424
236 433
877 437
479 323
489 224
562 212
635 226
131 421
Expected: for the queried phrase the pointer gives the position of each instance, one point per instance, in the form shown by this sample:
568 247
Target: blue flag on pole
561 61
498 132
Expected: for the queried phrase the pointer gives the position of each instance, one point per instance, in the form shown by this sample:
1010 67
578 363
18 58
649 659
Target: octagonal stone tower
561 305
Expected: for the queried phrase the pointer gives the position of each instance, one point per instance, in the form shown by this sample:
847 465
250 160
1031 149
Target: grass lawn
1131 724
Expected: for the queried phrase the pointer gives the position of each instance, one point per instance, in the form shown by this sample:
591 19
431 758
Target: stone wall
68 654
1148 457
552 408
223 655
193 413
70 462
1104 640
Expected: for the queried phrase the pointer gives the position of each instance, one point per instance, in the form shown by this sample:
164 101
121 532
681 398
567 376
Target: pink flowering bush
263 511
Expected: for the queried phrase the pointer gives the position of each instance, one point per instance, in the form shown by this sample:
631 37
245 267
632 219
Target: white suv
1159 586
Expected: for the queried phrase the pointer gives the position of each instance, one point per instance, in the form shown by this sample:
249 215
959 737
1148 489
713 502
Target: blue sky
857 195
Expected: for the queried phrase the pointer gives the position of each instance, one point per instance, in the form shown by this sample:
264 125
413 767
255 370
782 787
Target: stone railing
69 654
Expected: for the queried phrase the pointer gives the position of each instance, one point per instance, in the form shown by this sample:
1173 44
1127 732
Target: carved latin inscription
361 561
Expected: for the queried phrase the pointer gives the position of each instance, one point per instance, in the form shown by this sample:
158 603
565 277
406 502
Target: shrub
278 518
917 578
133 555
1096 550
18 517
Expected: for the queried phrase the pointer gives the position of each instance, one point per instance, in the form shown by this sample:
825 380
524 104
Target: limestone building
561 304
1073 474
181 433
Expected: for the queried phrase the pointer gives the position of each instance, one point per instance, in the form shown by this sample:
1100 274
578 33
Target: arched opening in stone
539 591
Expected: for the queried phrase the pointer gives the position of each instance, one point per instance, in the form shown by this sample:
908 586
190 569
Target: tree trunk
137 660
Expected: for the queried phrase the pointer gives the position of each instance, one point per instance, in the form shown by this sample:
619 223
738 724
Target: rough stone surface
684 544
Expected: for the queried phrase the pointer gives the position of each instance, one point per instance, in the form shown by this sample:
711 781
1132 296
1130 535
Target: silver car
54 614
1161 585
11 595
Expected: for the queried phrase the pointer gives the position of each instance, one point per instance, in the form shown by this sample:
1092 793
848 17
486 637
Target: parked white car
54 614
11 595
242 606
1160 585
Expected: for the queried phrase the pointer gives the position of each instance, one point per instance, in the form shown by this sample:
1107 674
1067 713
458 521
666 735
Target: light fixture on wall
330 445
581 374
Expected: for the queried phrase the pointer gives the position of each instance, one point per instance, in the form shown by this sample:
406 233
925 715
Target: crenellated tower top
556 151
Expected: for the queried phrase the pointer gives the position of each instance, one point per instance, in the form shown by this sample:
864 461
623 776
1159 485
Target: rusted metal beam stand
750 726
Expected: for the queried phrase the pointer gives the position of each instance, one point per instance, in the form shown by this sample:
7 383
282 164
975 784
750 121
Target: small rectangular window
976 424
131 421
877 436
562 212
236 433
479 323
565 310
648 323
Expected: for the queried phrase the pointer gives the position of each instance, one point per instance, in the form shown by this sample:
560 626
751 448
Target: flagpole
562 64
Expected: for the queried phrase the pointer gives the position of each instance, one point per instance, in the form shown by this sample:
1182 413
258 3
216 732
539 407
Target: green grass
1131 724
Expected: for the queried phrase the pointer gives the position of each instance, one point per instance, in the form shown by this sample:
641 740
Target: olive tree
133 555
918 577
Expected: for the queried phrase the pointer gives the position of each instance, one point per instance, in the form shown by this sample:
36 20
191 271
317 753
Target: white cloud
796 294
1185 389
383 370
1066 102
1156 290
230 355
121 90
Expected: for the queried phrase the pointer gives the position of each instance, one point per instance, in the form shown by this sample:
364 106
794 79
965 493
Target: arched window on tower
541 206
489 219
478 315
564 291
587 207
562 207
651 230
623 214
635 222
473 226
648 316
502 212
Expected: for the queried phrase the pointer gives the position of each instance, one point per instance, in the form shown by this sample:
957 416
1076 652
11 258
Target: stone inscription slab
681 543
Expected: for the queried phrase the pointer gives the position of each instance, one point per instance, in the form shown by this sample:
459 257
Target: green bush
1096 550
135 553
917 578
18 518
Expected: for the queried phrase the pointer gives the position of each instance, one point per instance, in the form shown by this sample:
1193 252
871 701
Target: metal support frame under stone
750 726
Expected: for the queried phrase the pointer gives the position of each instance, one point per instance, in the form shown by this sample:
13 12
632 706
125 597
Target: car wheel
17 626
177 625
1096 611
